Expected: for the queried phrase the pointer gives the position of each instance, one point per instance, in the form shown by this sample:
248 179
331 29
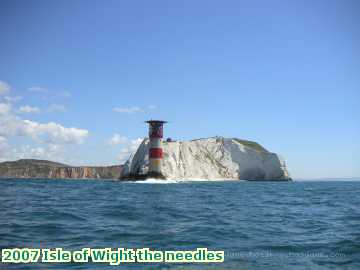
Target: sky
79 78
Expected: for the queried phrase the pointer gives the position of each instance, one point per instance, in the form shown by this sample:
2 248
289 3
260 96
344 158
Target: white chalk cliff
214 158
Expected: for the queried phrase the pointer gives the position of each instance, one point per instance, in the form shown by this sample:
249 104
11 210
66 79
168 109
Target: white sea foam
157 181
175 181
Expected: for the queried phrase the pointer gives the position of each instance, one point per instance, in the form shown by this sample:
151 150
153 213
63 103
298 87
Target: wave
157 181
176 181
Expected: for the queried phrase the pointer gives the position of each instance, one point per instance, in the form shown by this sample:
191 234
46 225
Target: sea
258 225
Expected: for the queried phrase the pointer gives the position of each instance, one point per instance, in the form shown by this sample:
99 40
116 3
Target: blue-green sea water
259 225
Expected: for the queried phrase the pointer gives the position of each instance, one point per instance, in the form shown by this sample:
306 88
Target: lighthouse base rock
214 158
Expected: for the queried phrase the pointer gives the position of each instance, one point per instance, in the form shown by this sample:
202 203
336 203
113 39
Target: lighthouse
155 148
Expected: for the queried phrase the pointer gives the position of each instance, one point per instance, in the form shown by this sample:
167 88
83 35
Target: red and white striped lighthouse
155 149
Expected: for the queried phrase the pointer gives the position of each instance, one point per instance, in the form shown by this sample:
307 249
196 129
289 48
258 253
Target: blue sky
78 78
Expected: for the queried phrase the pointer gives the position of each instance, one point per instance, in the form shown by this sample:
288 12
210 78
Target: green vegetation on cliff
251 144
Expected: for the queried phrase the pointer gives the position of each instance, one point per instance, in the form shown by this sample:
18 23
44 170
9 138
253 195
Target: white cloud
49 151
37 89
135 143
2 140
3 143
134 109
4 88
30 152
49 94
128 110
4 148
129 146
52 132
66 94
29 109
117 139
12 125
4 108
130 149
57 108
13 99
48 140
